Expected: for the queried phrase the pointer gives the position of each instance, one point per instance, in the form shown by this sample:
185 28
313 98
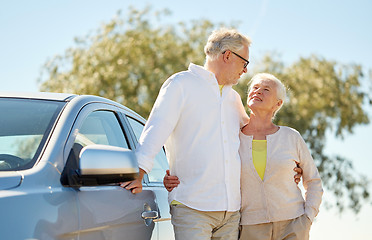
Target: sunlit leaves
128 58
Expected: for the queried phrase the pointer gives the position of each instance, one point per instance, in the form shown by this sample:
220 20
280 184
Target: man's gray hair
225 39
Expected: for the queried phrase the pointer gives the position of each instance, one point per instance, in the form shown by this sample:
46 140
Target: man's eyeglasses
246 61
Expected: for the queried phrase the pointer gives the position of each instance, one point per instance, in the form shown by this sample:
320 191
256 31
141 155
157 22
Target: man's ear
226 56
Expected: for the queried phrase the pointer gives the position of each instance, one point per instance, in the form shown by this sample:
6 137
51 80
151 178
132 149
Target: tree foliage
129 58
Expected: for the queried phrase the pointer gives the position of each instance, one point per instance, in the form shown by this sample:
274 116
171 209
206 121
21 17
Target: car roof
39 95
64 97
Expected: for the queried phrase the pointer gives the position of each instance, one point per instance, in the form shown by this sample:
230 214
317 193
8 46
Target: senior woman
272 204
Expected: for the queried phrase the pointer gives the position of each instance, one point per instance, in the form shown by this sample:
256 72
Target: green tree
129 58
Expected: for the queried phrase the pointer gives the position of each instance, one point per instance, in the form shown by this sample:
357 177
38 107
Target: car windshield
24 127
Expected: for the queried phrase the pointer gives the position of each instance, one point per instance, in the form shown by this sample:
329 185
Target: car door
108 212
154 181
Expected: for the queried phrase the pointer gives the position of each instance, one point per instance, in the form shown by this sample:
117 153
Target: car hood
9 180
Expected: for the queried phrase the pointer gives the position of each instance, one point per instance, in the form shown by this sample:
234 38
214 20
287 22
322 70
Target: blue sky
33 31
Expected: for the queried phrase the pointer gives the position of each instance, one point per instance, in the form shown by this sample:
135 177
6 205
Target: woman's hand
170 182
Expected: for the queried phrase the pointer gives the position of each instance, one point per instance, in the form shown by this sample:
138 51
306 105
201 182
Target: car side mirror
101 165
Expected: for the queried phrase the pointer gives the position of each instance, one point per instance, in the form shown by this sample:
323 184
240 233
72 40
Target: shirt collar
205 74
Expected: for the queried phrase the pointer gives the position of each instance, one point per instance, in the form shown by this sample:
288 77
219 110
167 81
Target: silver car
62 157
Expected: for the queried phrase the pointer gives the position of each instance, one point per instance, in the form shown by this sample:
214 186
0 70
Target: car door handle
150 215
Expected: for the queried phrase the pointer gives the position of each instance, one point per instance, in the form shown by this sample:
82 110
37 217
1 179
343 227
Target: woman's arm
311 180
170 182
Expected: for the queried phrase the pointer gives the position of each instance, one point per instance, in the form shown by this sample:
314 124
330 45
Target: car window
25 127
160 163
101 127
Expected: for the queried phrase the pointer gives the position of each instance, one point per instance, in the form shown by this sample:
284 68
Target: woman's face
263 96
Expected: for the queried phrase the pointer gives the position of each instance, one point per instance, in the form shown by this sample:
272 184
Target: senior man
197 116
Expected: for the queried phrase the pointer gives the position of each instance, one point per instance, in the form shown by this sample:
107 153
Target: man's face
238 65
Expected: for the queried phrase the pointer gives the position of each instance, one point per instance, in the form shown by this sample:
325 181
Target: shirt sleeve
162 120
244 119
243 116
311 180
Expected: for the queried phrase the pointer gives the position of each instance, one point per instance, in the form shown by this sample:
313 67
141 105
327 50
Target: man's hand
134 186
170 182
298 170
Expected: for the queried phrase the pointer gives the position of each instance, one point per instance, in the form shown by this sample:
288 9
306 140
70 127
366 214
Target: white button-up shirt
200 129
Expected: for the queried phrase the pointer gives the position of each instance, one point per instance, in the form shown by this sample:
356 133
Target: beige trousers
191 224
293 229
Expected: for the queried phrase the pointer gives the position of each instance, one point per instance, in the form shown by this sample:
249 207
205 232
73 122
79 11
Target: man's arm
161 123
162 120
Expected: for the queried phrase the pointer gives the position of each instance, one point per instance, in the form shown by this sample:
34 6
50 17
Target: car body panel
10 180
164 226
38 208
124 208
